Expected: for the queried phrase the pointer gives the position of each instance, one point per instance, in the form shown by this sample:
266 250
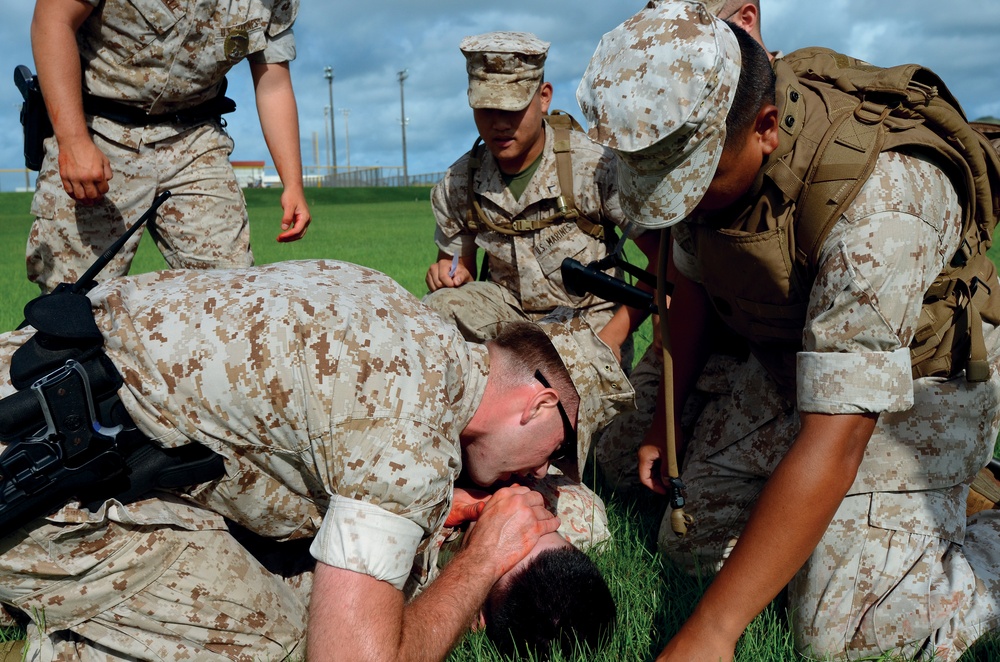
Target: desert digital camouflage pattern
203 225
662 105
597 376
527 265
159 59
505 69
176 54
335 398
899 567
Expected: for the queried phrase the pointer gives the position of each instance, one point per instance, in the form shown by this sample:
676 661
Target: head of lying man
556 598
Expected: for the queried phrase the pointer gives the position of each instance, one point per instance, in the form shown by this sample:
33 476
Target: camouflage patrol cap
657 92
505 69
596 374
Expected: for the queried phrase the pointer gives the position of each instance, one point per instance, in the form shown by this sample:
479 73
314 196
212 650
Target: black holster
34 118
68 435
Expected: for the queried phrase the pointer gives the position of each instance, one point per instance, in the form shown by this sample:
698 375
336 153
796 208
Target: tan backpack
884 108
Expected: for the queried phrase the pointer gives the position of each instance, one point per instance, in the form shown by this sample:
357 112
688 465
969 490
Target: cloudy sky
367 43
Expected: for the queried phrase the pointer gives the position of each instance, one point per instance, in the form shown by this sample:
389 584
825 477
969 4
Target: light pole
326 138
328 74
347 133
402 75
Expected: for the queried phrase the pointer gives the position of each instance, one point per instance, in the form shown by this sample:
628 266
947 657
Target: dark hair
527 349
559 599
755 87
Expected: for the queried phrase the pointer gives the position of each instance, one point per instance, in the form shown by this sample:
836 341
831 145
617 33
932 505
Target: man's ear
545 94
547 398
746 17
766 128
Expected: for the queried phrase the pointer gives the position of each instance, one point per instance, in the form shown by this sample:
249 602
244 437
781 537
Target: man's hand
84 169
295 217
448 271
690 645
466 506
509 527
652 458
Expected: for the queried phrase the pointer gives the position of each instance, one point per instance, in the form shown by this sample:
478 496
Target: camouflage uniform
899 567
338 414
525 281
158 60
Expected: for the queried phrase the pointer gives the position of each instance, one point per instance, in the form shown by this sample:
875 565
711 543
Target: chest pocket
554 244
128 28
754 292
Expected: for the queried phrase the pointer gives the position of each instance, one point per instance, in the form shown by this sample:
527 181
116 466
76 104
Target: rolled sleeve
361 537
859 382
875 266
461 244
280 48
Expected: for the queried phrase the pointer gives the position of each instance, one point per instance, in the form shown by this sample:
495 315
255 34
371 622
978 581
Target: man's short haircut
527 349
559 599
755 87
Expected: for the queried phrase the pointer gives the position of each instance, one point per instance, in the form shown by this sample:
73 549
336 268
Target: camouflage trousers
616 450
479 308
898 570
115 591
203 224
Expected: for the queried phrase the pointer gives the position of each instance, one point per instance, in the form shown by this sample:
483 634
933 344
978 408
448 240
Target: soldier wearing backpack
533 191
836 216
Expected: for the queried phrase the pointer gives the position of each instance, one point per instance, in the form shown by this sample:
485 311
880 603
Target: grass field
391 230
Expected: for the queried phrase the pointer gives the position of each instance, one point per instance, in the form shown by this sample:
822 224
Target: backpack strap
562 124
844 159
868 120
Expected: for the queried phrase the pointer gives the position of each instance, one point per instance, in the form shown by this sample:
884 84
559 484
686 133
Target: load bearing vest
836 115
562 124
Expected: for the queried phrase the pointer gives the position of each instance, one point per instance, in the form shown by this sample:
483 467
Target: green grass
391 230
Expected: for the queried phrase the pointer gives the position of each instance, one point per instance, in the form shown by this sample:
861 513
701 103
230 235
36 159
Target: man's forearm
57 58
790 517
279 120
436 619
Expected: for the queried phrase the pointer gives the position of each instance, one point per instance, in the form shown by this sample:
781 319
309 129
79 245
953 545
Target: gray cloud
367 43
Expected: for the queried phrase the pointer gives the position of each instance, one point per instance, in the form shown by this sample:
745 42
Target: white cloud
367 43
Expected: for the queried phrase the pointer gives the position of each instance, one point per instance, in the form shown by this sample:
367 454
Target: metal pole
402 120
328 74
326 137
347 134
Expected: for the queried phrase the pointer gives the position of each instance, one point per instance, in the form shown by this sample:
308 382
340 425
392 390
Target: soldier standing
135 92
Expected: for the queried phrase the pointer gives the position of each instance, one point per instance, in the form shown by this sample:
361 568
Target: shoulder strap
562 124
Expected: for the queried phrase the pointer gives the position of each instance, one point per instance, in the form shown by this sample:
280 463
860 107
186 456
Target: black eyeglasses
568 445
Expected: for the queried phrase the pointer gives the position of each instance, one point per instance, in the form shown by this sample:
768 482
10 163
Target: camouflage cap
505 68
603 388
715 7
657 91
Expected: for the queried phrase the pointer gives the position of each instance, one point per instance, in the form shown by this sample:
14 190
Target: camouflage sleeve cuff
280 48
361 537
462 244
854 383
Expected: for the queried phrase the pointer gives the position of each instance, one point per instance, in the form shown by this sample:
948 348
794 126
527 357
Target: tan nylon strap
679 520
842 151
